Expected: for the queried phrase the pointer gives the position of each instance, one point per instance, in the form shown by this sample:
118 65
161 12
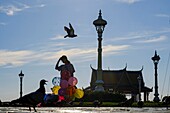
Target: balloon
50 98
72 81
79 93
65 75
55 89
61 91
61 98
70 90
56 81
63 83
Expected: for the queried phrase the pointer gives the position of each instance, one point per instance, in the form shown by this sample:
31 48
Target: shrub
90 96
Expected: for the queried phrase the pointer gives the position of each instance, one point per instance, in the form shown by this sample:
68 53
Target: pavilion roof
120 80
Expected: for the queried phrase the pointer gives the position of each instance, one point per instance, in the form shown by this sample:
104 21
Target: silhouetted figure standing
34 98
67 66
70 31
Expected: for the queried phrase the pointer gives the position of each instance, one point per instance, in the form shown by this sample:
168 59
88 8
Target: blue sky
31 40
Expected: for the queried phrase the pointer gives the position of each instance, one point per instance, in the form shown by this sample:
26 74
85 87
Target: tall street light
100 25
21 75
156 59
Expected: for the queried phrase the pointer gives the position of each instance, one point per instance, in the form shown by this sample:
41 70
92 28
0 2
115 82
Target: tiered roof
120 80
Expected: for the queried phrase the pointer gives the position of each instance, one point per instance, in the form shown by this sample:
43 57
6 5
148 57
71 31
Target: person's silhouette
66 67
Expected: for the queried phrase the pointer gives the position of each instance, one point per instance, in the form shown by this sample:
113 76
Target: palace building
122 81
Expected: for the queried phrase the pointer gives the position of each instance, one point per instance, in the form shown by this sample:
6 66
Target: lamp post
156 59
139 81
21 75
100 25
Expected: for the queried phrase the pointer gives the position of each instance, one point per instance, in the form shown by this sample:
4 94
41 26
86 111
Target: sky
32 31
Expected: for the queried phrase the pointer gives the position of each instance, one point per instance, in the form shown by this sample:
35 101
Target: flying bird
70 31
32 99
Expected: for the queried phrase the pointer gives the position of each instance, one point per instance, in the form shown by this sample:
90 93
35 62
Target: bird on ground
70 31
32 99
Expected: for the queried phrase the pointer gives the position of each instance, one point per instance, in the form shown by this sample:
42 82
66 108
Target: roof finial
141 69
155 52
126 66
100 14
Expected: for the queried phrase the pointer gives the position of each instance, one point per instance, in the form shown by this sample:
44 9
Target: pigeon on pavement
32 99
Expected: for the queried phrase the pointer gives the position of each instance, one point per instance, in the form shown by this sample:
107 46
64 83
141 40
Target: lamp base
156 99
99 86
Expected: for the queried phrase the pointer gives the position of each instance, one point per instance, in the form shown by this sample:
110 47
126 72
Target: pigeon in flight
32 99
70 31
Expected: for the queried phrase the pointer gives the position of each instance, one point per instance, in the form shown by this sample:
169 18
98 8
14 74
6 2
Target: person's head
64 59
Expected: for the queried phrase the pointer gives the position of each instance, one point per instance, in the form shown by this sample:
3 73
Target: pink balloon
63 84
72 81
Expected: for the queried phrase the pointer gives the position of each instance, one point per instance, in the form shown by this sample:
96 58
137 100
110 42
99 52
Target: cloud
140 35
3 24
11 10
152 40
14 58
163 15
41 5
19 58
74 53
58 37
127 1
110 49
87 54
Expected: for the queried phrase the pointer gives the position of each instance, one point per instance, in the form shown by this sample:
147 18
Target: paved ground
85 110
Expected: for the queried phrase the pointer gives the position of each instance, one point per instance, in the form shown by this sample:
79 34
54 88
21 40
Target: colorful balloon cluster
66 87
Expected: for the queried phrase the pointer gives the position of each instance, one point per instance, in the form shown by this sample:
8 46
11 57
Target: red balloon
63 84
72 81
61 98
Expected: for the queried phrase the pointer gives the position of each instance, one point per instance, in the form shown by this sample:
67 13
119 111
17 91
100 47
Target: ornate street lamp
21 75
156 59
100 25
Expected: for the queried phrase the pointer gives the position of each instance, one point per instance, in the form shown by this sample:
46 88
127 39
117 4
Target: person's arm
57 67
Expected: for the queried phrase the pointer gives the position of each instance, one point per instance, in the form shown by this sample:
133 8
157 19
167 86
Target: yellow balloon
79 93
55 89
